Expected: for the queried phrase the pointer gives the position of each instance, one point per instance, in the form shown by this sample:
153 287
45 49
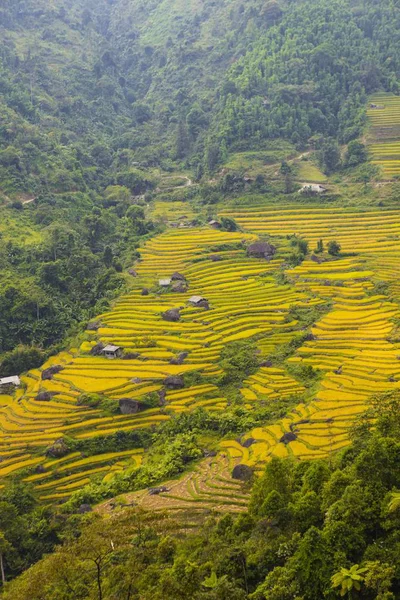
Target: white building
15 380
312 188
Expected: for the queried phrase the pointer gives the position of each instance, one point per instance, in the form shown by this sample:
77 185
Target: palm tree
349 580
394 503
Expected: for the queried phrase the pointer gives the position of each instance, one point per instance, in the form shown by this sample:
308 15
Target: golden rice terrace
165 330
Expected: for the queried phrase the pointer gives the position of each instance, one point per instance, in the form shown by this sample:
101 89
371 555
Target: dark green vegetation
312 530
68 275
84 84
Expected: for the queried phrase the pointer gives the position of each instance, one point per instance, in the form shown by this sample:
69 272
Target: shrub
22 358
334 248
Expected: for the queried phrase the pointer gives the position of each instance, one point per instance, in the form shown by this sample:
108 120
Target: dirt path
188 183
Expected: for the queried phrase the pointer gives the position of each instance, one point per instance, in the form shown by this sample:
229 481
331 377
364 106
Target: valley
200 300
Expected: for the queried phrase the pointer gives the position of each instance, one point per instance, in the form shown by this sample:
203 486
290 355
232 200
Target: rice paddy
350 347
384 118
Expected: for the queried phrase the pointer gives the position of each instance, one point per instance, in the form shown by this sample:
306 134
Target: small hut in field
214 224
199 302
112 352
261 250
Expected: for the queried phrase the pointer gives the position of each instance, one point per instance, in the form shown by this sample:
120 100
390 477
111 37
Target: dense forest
90 91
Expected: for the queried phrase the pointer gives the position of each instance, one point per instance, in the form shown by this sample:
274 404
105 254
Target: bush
21 359
334 248
238 360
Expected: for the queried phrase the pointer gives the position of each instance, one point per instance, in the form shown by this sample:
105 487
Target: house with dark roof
261 250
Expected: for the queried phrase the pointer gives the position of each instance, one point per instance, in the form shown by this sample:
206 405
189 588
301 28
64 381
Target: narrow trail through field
188 183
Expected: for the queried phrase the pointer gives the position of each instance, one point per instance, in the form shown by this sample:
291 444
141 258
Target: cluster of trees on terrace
314 529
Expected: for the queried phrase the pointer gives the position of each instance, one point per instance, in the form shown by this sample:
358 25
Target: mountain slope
91 87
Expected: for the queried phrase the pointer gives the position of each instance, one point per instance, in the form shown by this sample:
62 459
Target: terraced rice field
384 133
351 347
209 487
245 301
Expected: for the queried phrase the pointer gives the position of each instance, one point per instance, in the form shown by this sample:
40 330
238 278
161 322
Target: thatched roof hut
178 277
112 351
214 224
51 371
164 282
12 381
261 250
127 406
199 302
173 315
45 396
174 382
242 472
288 437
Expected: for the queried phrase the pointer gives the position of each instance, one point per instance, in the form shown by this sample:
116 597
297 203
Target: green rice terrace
383 138
195 291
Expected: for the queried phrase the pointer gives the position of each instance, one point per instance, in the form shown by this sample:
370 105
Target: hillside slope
88 88
210 347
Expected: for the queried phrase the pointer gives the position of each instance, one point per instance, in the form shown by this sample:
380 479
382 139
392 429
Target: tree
108 256
356 154
238 360
302 246
379 578
212 156
349 580
117 193
287 171
21 359
182 140
228 224
329 155
196 120
334 248
394 503
320 247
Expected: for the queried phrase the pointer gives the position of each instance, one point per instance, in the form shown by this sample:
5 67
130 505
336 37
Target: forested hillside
200 301
90 89
102 94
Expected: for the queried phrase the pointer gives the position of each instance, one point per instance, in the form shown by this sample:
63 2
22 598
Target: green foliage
228 224
21 359
356 154
317 529
166 458
328 155
238 360
349 580
27 531
70 275
334 248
